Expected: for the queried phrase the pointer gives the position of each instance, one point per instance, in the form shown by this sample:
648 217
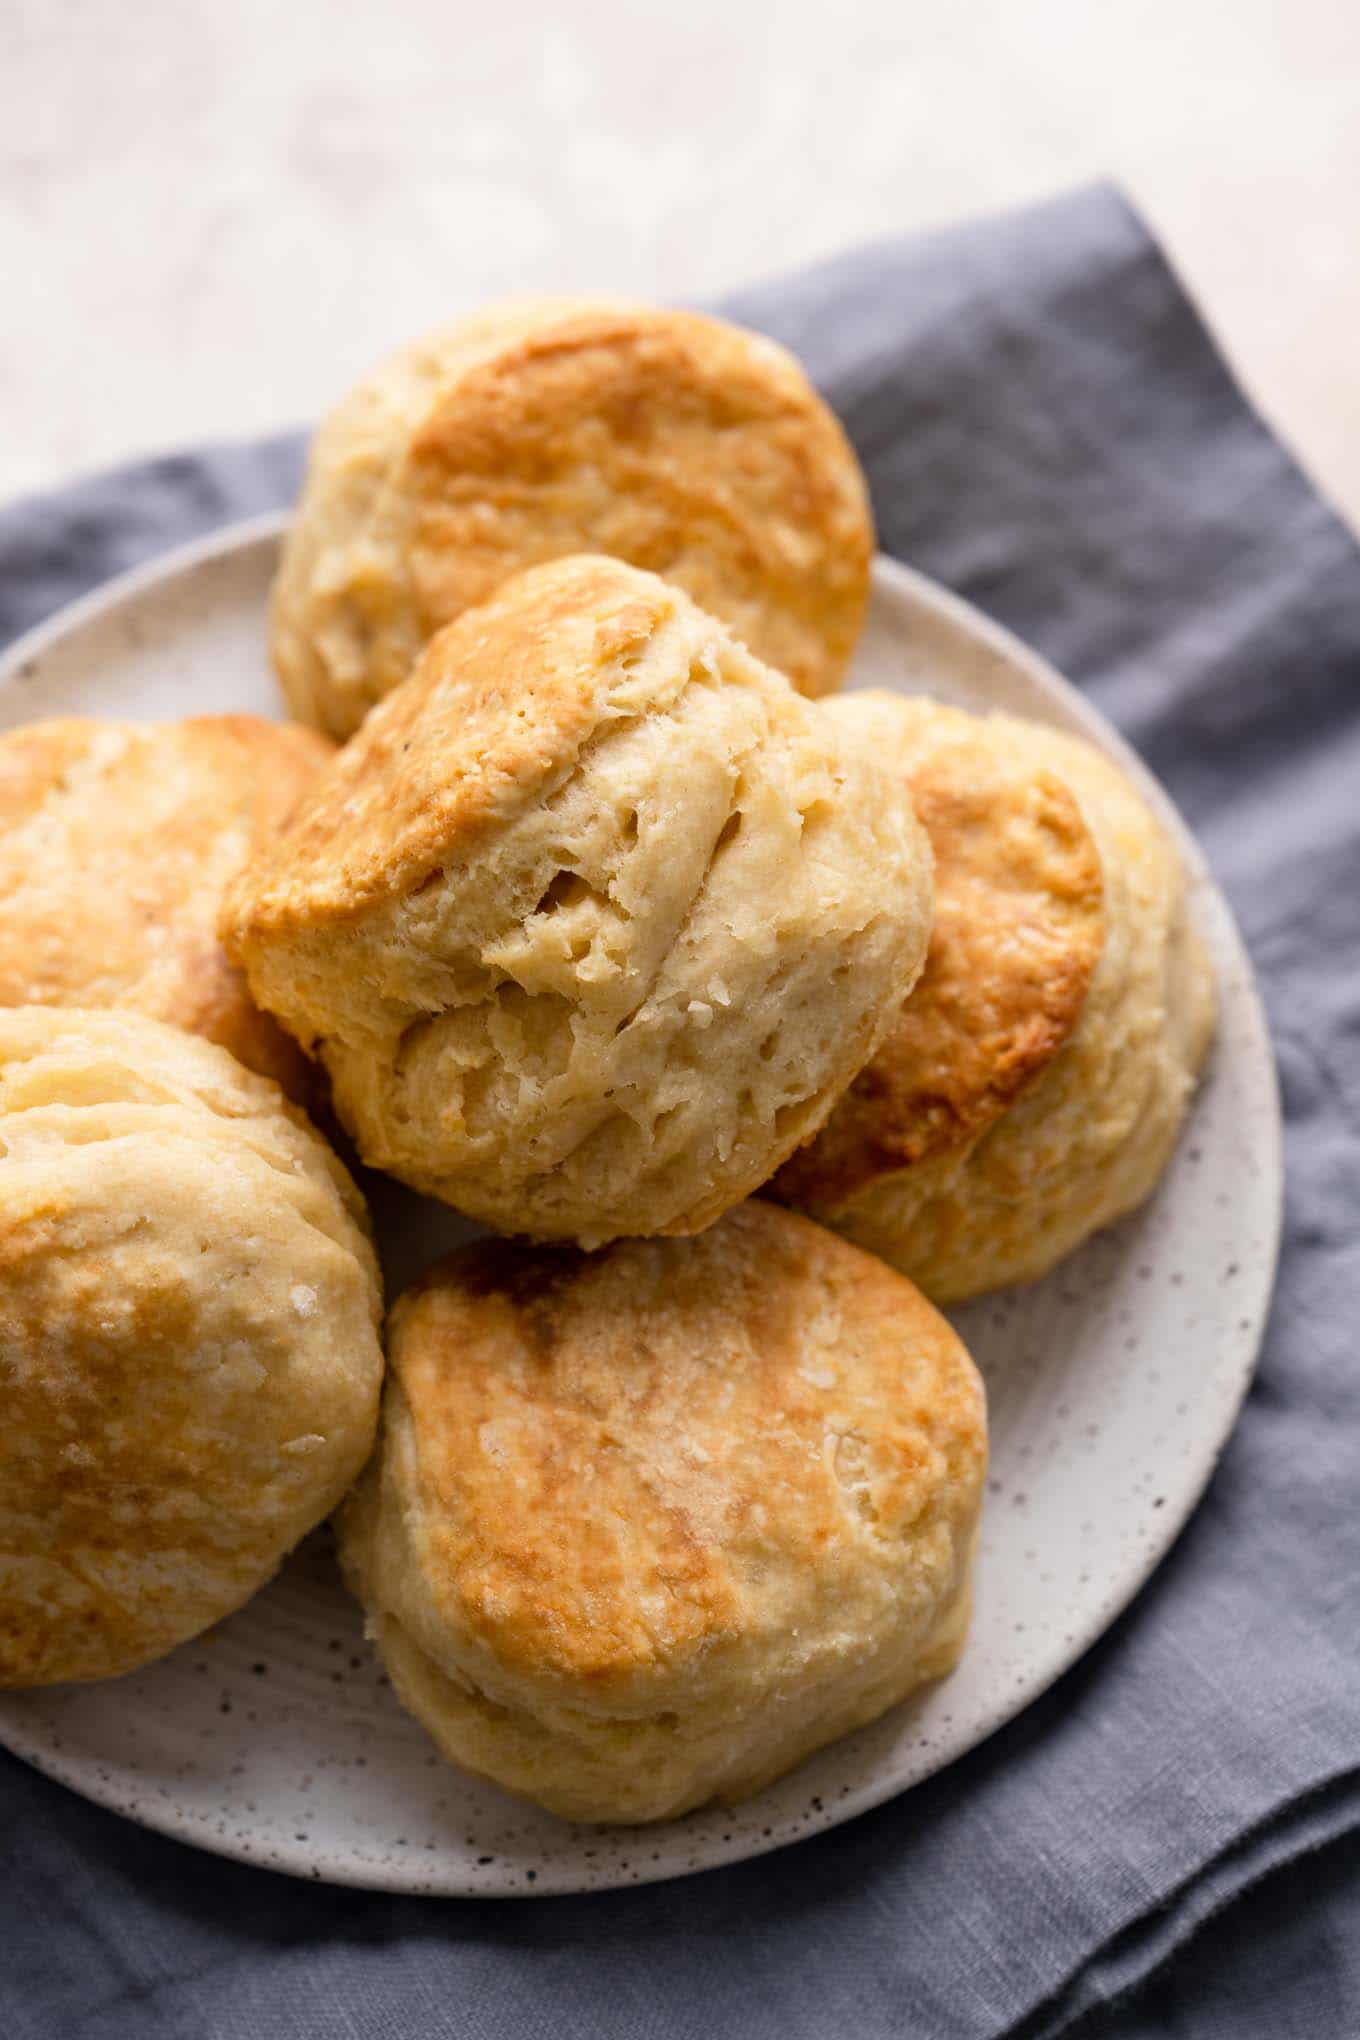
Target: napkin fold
1049 430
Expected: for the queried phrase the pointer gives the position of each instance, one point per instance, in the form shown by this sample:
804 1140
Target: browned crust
540 429
501 703
1018 930
659 387
116 841
607 1444
157 1373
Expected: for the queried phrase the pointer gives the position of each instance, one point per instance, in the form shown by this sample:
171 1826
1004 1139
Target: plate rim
907 584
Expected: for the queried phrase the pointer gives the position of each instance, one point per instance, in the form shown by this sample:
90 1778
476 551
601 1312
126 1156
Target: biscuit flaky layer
116 840
189 1353
1033 1088
647 1527
595 918
546 427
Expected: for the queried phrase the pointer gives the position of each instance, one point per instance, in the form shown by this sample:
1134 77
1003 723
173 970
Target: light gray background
212 217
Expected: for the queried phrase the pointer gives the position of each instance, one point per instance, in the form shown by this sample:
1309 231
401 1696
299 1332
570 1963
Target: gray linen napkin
1048 429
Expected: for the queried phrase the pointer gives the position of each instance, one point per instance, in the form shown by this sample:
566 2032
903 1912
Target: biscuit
540 428
1037 1078
116 840
647 1527
594 919
189 1354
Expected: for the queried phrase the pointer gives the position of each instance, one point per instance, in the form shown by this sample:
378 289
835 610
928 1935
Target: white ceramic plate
1113 1386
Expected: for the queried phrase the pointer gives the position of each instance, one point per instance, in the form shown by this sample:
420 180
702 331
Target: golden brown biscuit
647 1527
1018 930
594 919
1035 1084
116 840
189 1355
542 428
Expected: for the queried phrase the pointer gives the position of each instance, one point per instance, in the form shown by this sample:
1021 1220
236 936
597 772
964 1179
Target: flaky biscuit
594 919
116 840
545 427
1070 1008
647 1527
189 1354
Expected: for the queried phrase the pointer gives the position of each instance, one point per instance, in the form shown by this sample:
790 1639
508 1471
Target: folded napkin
1048 429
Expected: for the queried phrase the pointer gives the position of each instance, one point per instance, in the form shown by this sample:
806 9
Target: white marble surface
213 217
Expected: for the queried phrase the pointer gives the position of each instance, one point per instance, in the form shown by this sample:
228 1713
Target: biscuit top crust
750 476
542 428
621 1471
1019 926
498 711
116 841
189 1352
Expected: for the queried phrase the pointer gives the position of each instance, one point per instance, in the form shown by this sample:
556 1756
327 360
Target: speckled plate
1113 1386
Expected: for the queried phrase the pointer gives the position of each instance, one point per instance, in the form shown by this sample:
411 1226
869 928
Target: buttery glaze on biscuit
647 1527
116 840
1037 1078
546 427
189 1353
594 919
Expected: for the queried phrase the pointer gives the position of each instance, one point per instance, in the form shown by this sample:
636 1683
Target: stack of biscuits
755 1020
